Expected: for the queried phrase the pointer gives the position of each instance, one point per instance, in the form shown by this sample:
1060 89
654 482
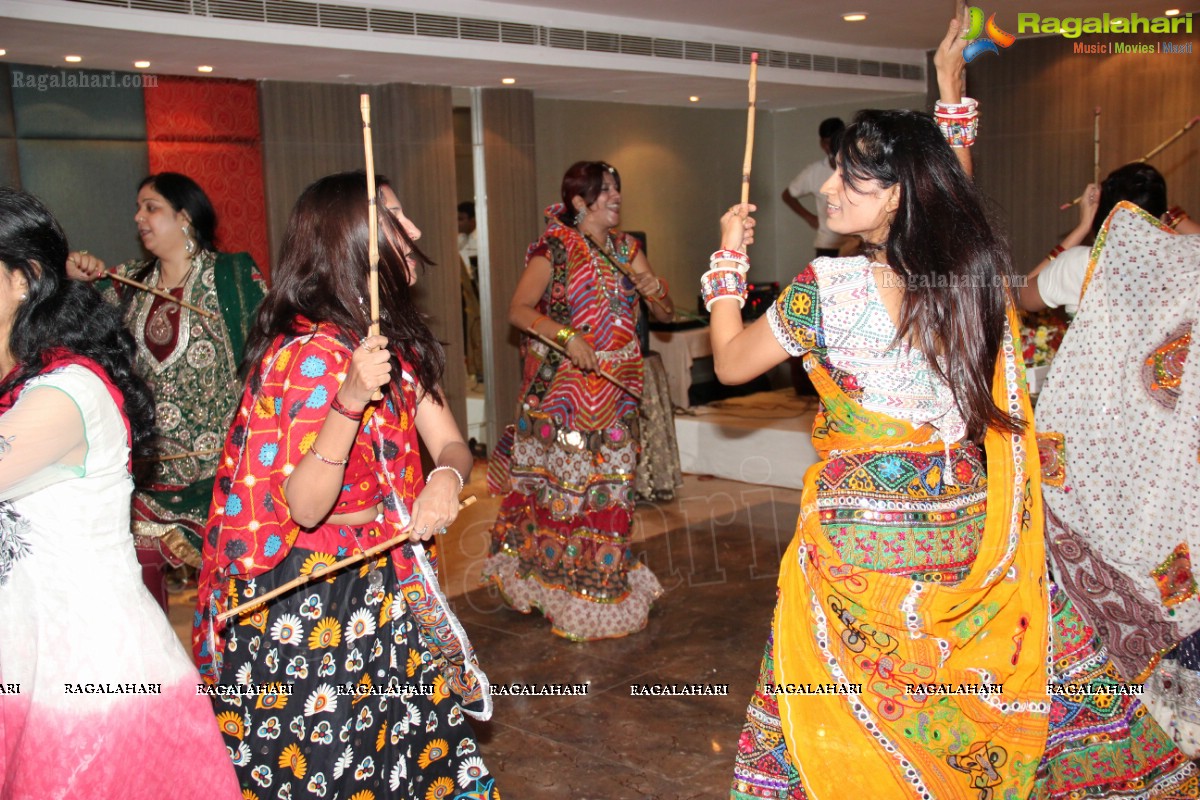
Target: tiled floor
716 550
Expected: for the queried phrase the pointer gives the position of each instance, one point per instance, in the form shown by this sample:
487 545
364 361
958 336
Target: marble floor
715 548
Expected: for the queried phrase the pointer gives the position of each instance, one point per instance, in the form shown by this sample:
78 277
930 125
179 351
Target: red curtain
208 130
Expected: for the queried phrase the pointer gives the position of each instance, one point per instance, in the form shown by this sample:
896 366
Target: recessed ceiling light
508 81
854 16
204 68
3 52
74 59
694 99
346 75
1172 12
142 64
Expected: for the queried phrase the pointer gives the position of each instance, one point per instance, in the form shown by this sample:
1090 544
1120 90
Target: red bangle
533 325
337 406
1056 252
663 285
1173 217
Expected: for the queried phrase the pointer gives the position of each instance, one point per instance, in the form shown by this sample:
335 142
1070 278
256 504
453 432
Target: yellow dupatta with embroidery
836 623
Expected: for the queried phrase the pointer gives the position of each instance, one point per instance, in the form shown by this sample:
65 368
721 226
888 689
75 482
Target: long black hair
322 275
956 268
64 314
1140 184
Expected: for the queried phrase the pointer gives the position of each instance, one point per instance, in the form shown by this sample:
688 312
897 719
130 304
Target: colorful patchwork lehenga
561 540
910 653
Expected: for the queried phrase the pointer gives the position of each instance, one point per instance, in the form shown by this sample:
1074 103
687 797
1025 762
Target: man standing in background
810 180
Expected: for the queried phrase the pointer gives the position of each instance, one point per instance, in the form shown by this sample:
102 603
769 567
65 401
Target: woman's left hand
950 64
737 227
436 507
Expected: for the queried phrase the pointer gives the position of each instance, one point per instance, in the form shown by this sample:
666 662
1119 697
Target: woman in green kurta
190 360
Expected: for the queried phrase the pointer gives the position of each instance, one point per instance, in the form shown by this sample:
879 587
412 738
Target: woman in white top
99 698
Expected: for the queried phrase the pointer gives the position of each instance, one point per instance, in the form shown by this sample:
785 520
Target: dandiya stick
608 377
1096 146
1167 143
177 456
372 221
159 293
750 128
624 271
321 573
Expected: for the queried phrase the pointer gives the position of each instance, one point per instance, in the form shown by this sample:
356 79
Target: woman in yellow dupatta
909 646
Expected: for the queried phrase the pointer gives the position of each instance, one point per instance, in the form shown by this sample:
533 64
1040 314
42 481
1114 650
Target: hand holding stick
322 572
610 378
750 129
624 270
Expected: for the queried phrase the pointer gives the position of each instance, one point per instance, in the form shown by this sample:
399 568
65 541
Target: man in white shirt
468 237
809 181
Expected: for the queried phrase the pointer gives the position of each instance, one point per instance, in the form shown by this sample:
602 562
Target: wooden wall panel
1035 136
514 220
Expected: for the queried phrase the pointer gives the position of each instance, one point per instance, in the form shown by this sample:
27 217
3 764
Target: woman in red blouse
366 674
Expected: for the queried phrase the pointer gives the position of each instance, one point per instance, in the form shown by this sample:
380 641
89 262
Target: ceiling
111 34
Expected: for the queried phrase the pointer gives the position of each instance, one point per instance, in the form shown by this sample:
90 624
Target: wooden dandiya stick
628 273
322 572
159 293
750 128
1096 146
372 222
177 456
1167 143
608 377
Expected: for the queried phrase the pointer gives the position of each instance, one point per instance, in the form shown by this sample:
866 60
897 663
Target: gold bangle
313 452
565 335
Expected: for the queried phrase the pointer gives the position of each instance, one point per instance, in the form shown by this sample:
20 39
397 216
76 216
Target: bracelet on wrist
737 258
331 462
663 289
457 474
565 335
1055 253
720 283
1174 216
337 406
533 325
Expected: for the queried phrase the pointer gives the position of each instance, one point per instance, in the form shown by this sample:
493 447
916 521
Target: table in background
678 350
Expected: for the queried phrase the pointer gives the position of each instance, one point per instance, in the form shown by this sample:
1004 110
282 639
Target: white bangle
435 470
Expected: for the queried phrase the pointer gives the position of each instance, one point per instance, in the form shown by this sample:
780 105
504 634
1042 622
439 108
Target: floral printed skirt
368 716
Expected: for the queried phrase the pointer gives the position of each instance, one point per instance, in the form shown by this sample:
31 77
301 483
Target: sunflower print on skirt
361 710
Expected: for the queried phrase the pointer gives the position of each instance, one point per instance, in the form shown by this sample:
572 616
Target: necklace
187 275
604 263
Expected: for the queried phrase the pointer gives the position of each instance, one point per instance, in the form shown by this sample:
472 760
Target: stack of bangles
726 277
565 335
1055 253
958 122
1172 218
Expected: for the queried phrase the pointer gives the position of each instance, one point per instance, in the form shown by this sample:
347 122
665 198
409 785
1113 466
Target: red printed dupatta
250 530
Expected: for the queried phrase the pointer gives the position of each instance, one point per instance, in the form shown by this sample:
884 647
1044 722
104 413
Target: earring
580 216
189 244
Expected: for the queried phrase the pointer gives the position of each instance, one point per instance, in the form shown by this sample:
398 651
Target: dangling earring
580 216
189 244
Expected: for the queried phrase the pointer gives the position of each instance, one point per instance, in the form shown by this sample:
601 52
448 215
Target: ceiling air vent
348 18
565 38
169 6
407 23
518 33
437 25
602 42
637 45
234 9
387 21
287 12
479 30
668 48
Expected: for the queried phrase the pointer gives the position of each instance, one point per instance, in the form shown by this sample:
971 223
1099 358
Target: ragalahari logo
993 38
